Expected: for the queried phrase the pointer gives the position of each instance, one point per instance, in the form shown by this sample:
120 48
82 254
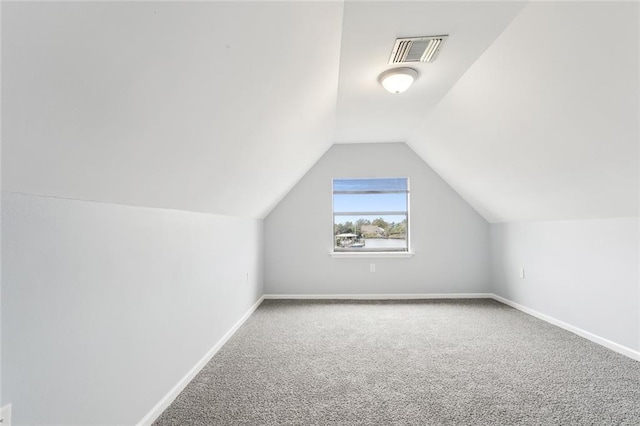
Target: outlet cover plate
5 415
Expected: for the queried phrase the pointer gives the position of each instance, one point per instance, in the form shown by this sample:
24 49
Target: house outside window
371 215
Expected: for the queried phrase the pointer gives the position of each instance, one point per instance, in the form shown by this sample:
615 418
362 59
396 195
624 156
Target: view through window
371 214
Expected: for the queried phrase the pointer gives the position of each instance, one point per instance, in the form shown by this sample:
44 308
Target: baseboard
633 354
382 296
175 391
162 405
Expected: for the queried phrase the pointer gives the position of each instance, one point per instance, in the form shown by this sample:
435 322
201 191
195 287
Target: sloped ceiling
210 107
530 111
544 126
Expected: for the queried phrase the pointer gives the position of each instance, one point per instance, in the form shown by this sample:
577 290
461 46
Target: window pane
365 203
370 233
386 184
371 214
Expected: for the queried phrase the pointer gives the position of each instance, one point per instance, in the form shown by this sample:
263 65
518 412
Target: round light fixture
397 80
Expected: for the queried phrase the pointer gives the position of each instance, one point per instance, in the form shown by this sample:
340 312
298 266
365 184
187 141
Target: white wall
448 237
584 273
106 307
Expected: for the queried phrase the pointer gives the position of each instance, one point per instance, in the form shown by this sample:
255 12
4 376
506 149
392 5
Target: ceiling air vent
416 49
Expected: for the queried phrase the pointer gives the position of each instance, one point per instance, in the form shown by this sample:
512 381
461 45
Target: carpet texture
434 362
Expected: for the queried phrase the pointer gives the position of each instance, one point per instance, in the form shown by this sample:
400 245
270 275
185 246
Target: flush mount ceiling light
397 80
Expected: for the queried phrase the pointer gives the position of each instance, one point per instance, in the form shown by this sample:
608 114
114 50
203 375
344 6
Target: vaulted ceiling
530 111
544 126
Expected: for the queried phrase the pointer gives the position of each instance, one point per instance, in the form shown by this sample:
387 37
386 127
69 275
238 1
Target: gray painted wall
584 273
448 237
106 307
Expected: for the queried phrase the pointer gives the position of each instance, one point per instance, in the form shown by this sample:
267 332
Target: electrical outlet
5 415
372 267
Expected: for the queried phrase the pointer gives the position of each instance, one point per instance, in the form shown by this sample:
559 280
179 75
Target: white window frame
371 253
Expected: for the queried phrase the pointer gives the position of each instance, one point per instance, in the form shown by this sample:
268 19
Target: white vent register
416 49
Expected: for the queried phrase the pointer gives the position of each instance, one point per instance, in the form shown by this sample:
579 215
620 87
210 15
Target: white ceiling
210 107
544 126
365 113
530 111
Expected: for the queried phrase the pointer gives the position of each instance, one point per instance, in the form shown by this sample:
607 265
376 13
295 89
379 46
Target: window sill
371 254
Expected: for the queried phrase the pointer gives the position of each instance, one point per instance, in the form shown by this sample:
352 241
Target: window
371 215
